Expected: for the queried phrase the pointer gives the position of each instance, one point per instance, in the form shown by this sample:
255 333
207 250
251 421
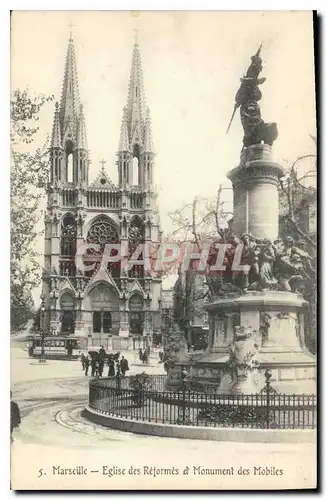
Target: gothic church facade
102 303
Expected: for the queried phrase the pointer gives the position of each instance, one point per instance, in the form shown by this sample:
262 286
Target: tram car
55 347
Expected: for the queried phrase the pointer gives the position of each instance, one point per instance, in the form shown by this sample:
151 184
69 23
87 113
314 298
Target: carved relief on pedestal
265 319
220 330
243 352
280 329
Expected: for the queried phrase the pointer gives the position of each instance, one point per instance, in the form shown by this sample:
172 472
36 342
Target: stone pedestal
273 325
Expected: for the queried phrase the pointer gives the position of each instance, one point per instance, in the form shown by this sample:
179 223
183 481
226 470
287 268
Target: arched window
70 167
135 171
69 162
68 246
136 238
102 231
136 166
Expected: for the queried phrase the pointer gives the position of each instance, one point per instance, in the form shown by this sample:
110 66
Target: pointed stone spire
69 105
81 130
56 132
124 141
135 101
135 133
148 144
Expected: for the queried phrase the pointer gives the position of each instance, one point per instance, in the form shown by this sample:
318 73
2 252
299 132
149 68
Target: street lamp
42 313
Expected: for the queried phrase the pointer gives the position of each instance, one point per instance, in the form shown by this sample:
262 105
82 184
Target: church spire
148 146
70 163
124 141
81 142
56 132
136 109
135 154
70 100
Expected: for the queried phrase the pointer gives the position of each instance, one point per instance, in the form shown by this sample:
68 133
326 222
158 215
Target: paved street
54 433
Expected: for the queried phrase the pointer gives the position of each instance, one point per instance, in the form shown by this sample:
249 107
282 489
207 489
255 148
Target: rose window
103 231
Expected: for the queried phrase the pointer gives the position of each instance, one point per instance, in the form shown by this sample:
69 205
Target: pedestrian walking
87 364
100 366
140 354
83 361
145 357
123 366
111 371
15 419
102 352
93 366
118 375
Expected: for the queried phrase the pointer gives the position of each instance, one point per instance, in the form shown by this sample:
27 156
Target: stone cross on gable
71 25
103 162
136 35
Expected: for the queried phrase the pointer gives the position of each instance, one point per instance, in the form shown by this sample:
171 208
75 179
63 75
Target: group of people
144 355
96 361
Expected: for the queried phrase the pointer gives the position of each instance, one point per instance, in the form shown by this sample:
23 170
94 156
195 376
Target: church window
68 246
136 166
69 161
70 168
135 171
136 237
102 231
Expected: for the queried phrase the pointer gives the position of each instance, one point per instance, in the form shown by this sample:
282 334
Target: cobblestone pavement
52 398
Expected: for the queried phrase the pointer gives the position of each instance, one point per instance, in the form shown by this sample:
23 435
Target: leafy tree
28 178
196 223
298 204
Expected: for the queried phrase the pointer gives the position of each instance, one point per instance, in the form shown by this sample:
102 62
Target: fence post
184 375
118 377
268 388
183 412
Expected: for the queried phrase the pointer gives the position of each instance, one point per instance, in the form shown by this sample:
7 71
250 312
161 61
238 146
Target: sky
192 63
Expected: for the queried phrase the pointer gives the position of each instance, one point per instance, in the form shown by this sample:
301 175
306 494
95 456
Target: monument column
255 186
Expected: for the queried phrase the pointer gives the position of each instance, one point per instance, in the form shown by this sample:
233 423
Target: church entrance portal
105 309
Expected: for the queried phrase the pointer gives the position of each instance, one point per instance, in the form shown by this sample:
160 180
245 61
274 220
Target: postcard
163 250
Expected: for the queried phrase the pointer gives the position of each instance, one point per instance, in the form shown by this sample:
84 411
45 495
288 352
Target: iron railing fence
267 409
157 382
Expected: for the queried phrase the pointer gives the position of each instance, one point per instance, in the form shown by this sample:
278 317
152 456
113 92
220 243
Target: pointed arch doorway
105 310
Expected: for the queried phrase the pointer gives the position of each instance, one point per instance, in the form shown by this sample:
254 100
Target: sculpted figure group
274 265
